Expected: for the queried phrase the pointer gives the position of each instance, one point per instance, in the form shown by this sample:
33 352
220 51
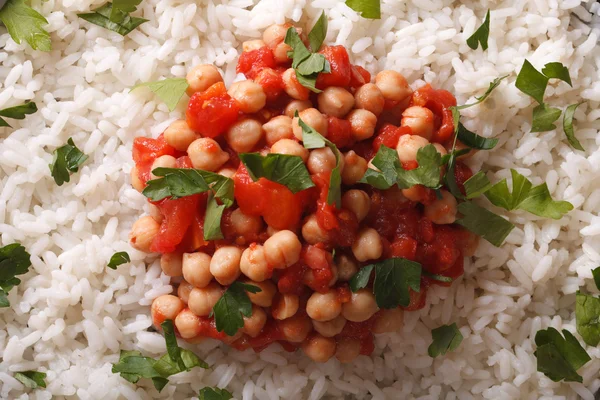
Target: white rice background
72 315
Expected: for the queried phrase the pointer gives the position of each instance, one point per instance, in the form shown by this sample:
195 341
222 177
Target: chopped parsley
370 9
17 112
119 258
232 306
559 358
596 275
170 91
24 23
480 36
14 260
212 219
208 393
568 126
115 16
66 160
31 379
587 316
289 171
484 223
445 338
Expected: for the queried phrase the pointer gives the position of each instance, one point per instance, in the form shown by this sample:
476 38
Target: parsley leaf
544 117
17 112
24 23
484 223
360 280
559 358
596 275
587 315
119 258
208 393
66 160
568 126
122 7
426 174
31 379
317 34
473 140
367 8
539 202
170 91
477 185
212 219
532 82
232 305
14 260
481 34
289 171
500 196
117 21
388 163
445 338
558 71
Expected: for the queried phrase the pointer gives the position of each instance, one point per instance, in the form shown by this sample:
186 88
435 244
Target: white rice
72 315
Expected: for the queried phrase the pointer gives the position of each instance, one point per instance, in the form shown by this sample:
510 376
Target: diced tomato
453 272
362 332
440 254
269 334
177 219
290 280
326 217
439 102
391 212
339 131
425 232
213 111
405 247
462 173
146 150
364 149
359 76
251 63
389 135
341 69
410 165
271 82
184 162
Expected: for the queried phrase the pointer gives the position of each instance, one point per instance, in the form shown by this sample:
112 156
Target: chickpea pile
257 253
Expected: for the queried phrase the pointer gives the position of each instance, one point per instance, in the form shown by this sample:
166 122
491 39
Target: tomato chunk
359 76
212 112
146 150
341 69
271 82
253 62
389 135
439 102
176 222
339 131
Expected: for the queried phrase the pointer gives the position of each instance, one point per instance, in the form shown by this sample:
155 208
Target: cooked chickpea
330 328
296 105
275 34
280 52
440 149
227 172
201 77
362 123
409 145
136 182
162 162
282 249
295 329
368 245
165 307
206 154
285 306
249 95
346 267
313 118
250 45
312 232
180 135
243 135
324 306
264 298
442 211
187 324
419 120
347 349
369 97
319 348
202 300
254 323
358 202
225 264
354 168
245 224
155 212
196 269
292 87
143 232
361 306
254 263
321 161
389 320
290 147
278 128
392 85
310 280
171 264
335 101
183 291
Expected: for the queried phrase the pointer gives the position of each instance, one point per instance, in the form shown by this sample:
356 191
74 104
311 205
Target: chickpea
321 161
202 300
409 145
278 128
165 161
361 306
285 306
227 172
362 123
295 329
264 298
389 321
442 211
296 105
171 264
368 245
319 348
354 168
313 118
143 232
324 306
358 202
136 182
187 324
180 135
312 232
155 212
392 85
206 154
346 267
246 224
201 77
369 97
196 269
348 348
250 45
271 231
165 307
280 52
250 96
440 149
225 264
243 135
419 120
310 280
335 101
254 263
275 34
330 328
183 291
292 87
254 323
290 147
282 249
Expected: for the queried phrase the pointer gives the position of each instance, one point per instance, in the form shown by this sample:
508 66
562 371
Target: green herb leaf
481 34
170 90
232 305
17 112
475 141
24 23
367 8
445 338
587 315
568 126
209 393
436 277
426 174
119 258
31 379
500 196
558 71
66 160
317 34
289 171
4 302
484 223
477 185
596 275
493 85
308 65
388 163
212 219
14 260
532 82
540 203
544 118
102 17
361 278
559 358
120 8
308 81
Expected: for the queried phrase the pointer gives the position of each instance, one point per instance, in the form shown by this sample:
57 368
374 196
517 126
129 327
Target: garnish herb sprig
14 260
170 90
208 393
444 339
233 305
559 358
117 259
24 23
17 112
289 171
31 379
587 313
66 160
480 36
115 16
370 9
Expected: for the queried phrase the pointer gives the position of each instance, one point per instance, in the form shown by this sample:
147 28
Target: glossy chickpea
310 280
244 224
187 324
324 306
278 128
348 348
295 329
296 105
196 269
290 147
321 161
319 348
362 123
180 135
255 322
409 145
368 245
201 77
206 154
312 232
250 45
143 232
292 87
280 53
330 328
335 101
442 211
285 306
243 135
162 162
313 118
282 249
183 291
419 120
264 298
275 34
361 306
389 320
227 172
358 202
165 307
225 264
155 213
440 149
171 264
393 85
136 182
346 267
354 168
202 300
254 263
249 95
415 193
369 97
